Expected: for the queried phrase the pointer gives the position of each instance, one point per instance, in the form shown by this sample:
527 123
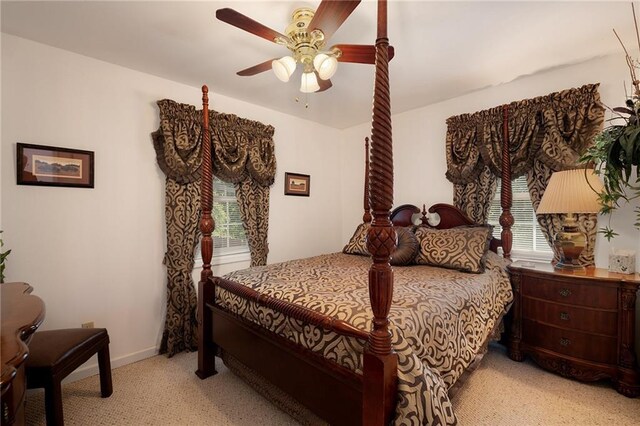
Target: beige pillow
358 242
458 248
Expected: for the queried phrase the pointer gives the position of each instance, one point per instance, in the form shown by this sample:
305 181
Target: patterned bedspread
440 319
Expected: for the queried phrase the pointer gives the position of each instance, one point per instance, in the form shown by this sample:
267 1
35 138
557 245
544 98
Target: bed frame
334 393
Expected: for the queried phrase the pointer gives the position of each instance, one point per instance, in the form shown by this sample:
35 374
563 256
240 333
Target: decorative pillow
358 242
407 248
460 248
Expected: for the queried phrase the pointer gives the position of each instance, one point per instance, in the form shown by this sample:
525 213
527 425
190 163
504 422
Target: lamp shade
325 65
571 191
283 68
309 83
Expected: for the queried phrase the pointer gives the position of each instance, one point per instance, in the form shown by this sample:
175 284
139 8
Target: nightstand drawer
573 294
570 342
565 316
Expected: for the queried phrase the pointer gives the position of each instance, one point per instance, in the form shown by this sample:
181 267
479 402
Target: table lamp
570 192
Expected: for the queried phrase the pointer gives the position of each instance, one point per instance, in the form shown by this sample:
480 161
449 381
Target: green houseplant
616 151
3 257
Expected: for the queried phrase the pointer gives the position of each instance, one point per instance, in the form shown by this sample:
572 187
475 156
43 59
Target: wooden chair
55 354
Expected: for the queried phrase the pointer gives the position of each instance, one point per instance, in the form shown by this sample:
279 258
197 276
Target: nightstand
580 324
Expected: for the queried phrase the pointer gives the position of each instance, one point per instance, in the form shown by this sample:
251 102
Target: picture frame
296 184
54 166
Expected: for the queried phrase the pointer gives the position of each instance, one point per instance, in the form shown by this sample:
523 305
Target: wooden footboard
331 391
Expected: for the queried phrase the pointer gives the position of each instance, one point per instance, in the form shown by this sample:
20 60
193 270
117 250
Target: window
228 237
528 240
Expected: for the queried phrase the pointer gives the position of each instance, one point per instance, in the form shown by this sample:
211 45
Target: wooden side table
22 313
580 324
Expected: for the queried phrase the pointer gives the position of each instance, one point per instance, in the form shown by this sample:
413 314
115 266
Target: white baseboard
90 368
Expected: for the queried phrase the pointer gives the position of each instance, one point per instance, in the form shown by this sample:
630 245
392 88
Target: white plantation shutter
229 236
528 240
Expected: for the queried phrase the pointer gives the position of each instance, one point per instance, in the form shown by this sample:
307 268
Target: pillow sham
407 248
358 242
460 248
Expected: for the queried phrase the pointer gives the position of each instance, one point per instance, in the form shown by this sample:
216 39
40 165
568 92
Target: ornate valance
555 128
242 148
178 141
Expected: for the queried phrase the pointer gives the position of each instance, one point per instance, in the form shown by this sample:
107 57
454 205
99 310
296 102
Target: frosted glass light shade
309 83
283 68
325 65
570 192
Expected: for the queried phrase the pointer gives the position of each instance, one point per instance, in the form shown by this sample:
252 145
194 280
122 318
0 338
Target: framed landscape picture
54 166
296 184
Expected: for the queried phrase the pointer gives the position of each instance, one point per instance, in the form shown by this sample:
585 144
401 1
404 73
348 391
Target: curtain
572 119
546 134
243 153
474 197
178 144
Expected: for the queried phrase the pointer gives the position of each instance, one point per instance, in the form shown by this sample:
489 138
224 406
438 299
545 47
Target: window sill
531 256
225 259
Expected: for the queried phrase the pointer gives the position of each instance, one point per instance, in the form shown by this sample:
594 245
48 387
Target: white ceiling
443 49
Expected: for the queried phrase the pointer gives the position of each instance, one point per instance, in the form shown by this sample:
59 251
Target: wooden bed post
380 361
506 218
206 287
366 217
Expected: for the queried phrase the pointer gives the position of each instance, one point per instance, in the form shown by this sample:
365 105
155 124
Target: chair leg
104 363
53 403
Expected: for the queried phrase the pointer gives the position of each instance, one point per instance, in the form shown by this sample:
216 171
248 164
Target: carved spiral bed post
366 217
380 361
206 287
506 218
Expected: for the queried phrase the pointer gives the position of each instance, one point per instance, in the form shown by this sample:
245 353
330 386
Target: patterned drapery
178 143
474 198
243 153
546 134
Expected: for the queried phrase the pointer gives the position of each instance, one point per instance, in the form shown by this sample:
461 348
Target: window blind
527 236
229 236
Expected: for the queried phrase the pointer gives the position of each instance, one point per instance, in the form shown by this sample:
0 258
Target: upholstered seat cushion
53 351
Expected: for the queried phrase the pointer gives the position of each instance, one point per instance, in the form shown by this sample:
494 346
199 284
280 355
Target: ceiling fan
306 37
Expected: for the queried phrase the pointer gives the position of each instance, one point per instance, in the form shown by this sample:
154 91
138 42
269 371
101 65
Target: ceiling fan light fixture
326 65
309 83
283 68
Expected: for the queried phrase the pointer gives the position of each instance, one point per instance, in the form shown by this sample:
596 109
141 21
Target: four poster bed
319 328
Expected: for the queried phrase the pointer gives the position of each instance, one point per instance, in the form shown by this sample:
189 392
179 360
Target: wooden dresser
22 313
580 324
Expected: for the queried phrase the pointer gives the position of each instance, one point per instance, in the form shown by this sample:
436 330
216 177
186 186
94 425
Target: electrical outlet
87 324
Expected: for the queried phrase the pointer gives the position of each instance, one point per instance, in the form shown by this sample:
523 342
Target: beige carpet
166 391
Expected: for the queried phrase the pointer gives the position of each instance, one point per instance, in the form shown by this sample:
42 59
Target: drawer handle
564 316
565 292
564 342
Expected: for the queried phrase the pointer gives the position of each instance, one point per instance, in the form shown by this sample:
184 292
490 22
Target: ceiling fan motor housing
304 44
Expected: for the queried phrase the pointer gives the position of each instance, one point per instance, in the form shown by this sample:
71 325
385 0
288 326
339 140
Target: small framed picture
54 166
296 184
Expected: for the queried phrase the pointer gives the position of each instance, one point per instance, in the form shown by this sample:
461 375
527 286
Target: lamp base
570 242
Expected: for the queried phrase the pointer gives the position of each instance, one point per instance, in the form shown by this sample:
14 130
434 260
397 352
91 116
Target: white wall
419 143
96 254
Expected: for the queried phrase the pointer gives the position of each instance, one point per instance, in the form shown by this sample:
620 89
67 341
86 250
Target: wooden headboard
449 217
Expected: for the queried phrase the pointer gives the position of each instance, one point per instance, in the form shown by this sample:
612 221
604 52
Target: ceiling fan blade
324 84
360 53
256 69
331 14
243 22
